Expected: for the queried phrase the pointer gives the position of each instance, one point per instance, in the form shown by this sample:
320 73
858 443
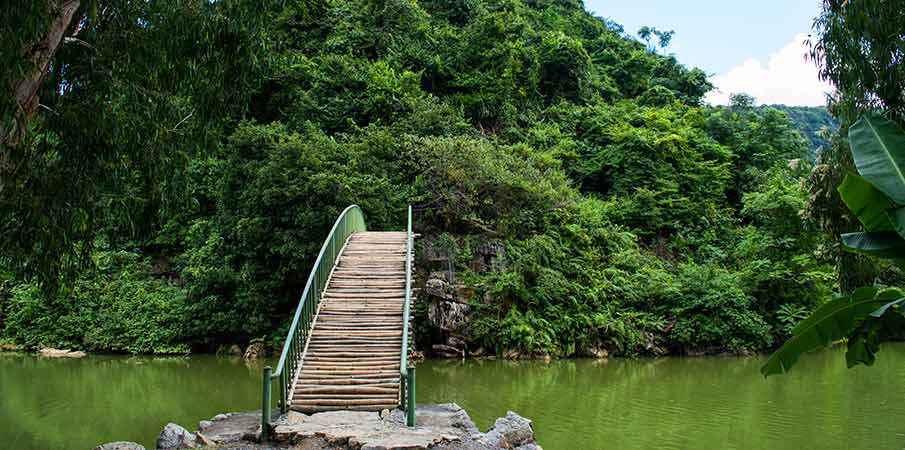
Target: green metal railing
406 373
351 220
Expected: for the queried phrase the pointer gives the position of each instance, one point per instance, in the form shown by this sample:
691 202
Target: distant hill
810 120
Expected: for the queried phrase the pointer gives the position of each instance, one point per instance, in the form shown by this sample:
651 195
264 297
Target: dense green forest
815 123
176 203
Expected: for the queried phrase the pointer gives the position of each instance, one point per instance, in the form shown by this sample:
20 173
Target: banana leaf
831 322
867 203
897 218
878 148
883 244
884 324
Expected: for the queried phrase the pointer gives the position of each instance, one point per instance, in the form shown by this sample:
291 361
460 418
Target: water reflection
670 403
685 403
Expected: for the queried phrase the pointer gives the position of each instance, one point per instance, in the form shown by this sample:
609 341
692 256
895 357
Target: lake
668 403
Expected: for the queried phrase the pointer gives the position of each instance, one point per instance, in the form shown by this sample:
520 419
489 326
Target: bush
117 308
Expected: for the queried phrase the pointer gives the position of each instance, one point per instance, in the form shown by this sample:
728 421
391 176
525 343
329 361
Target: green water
671 403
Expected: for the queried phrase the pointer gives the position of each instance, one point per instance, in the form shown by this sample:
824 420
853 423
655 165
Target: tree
859 49
45 26
105 101
663 37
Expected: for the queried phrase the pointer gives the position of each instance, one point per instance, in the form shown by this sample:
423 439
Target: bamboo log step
345 401
316 382
363 378
351 362
358 326
392 305
359 329
320 397
328 347
360 317
360 304
353 354
355 340
394 251
330 352
331 378
377 316
311 409
360 301
370 263
361 334
388 352
330 389
346 372
368 273
364 240
364 292
320 358
335 368
351 341
371 284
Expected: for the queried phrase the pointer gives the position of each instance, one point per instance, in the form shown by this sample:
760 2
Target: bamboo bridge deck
352 357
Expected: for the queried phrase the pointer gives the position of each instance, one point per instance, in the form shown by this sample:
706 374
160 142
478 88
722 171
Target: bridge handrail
407 375
349 221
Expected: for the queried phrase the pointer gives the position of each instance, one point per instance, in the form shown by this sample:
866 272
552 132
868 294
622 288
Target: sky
755 47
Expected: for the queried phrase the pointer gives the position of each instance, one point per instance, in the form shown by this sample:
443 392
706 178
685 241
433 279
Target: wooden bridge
347 346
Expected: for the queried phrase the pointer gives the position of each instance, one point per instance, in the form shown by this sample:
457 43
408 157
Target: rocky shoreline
443 426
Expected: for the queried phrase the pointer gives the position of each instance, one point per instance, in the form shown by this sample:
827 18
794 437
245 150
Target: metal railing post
410 410
402 393
265 405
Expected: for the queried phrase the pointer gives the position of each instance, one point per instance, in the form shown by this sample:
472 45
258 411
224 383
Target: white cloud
788 78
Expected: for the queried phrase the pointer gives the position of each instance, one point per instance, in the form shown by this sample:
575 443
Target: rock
121 445
204 440
255 350
232 427
512 354
438 287
447 351
447 315
594 351
362 430
10 347
487 257
235 350
455 341
510 431
174 437
57 353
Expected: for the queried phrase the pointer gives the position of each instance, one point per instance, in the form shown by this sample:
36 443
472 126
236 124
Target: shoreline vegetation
573 194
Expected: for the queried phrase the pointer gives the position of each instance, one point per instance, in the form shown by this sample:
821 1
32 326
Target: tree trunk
40 53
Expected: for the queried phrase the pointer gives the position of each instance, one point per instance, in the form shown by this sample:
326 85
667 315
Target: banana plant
876 196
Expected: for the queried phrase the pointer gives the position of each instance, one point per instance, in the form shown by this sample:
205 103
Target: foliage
815 123
859 50
126 101
627 215
119 308
876 198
